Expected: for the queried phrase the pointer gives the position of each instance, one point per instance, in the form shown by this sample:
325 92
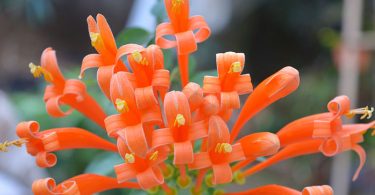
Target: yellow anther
121 105
239 178
129 158
137 56
38 71
183 183
179 121
96 39
235 67
223 148
18 143
176 5
366 112
154 156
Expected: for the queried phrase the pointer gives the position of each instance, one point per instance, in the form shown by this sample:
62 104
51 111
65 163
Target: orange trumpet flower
70 92
146 170
186 31
230 83
85 184
103 41
181 131
277 189
325 125
347 139
219 154
41 144
275 87
130 124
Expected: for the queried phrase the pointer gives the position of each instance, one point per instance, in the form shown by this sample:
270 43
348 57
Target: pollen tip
179 121
129 158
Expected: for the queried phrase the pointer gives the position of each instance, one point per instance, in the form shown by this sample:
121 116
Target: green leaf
133 35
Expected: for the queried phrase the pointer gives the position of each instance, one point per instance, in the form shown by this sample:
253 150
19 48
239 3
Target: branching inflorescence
189 126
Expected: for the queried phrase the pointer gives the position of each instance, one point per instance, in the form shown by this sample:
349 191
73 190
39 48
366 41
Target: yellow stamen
179 121
18 143
223 148
129 158
121 105
239 178
235 67
154 156
96 40
137 56
38 71
366 112
176 5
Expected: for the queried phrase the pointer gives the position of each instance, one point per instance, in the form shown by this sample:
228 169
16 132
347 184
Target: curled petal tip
318 190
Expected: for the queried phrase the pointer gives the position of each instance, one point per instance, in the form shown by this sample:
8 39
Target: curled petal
224 63
175 102
91 61
229 100
121 88
340 105
104 76
114 123
270 90
151 115
318 190
135 138
128 49
362 159
260 144
243 84
198 25
150 178
160 80
145 97
162 137
194 94
29 131
211 85
75 90
186 43
201 160
183 153
222 173
198 130
45 159
53 107
162 30
218 132
106 33
49 62
48 187
125 172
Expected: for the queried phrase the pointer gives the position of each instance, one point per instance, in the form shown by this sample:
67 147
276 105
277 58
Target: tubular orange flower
146 169
230 83
186 31
153 124
275 87
181 131
70 92
220 152
103 41
84 184
348 139
41 144
130 123
277 189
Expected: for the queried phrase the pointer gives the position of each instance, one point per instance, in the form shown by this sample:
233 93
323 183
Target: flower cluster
162 134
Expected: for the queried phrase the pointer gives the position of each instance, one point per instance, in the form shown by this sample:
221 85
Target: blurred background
300 33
